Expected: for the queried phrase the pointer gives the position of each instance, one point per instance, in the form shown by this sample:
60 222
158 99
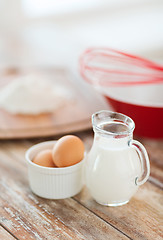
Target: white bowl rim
155 105
58 169
124 97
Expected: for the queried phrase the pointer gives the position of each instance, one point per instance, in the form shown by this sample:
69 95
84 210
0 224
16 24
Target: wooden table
23 215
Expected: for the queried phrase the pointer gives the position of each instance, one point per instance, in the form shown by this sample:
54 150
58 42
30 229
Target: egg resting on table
44 158
68 151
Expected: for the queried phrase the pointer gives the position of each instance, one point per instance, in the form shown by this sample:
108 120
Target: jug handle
144 160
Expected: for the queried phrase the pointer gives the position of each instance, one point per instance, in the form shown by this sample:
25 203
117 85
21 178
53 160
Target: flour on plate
32 94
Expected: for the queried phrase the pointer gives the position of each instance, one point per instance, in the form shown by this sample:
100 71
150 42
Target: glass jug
116 164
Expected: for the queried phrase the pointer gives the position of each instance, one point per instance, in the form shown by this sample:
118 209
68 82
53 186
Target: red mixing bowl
132 85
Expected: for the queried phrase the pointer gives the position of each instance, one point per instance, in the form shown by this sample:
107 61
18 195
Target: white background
55 33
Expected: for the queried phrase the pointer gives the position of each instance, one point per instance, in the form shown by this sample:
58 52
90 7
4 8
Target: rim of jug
105 116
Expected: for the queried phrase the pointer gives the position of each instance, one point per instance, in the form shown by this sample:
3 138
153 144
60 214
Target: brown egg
68 151
44 158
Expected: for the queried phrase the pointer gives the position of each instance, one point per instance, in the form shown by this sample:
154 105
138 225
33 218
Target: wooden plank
141 218
155 152
156 176
5 235
30 217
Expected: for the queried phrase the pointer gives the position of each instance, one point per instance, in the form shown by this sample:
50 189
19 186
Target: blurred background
55 33
52 34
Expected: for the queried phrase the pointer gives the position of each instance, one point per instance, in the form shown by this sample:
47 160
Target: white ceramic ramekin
53 183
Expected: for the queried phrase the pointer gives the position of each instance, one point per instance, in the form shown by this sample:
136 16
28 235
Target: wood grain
27 216
139 219
155 152
5 235
30 217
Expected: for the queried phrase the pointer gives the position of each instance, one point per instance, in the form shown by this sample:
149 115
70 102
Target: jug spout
113 124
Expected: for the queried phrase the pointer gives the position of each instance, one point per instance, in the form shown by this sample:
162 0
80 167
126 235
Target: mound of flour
32 95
